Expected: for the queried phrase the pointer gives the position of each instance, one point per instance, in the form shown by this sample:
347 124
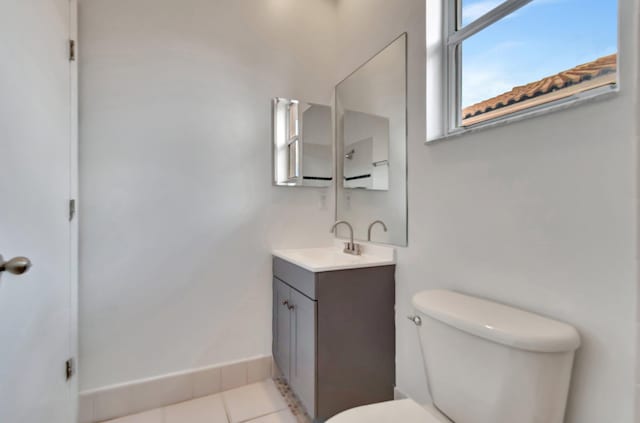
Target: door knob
17 265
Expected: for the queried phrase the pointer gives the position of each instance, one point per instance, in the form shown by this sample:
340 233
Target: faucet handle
352 248
349 247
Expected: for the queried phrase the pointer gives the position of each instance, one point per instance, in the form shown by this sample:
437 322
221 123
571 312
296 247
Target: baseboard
398 394
142 395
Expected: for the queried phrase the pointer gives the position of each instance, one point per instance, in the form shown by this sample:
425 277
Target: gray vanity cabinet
334 335
282 326
294 340
303 349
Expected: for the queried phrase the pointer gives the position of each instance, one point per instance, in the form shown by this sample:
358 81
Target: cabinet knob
285 303
291 307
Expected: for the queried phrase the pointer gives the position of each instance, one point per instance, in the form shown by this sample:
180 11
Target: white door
37 309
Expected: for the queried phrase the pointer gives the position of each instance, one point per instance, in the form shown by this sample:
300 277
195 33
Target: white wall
540 214
178 212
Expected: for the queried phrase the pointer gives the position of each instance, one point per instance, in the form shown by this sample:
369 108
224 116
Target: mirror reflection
371 147
302 143
366 145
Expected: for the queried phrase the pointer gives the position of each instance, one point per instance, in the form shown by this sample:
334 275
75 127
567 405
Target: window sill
586 97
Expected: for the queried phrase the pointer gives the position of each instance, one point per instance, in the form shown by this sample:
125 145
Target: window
504 58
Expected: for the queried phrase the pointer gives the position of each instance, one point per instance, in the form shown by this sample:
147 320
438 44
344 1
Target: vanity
334 327
334 307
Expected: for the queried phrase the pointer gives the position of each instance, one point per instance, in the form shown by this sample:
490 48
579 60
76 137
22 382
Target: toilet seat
405 411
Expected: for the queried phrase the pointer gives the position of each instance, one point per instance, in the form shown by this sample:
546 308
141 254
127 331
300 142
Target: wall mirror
371 147
302 143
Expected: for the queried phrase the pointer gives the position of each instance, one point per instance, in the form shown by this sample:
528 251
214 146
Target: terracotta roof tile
585 72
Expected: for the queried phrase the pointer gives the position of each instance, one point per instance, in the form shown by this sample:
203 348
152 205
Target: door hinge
72 50
72 209
69 368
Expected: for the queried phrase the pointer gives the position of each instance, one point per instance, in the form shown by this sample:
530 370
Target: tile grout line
293 403
286 407
258 367
263 415
224 405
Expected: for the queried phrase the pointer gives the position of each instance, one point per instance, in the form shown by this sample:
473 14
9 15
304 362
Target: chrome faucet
349 247
371 227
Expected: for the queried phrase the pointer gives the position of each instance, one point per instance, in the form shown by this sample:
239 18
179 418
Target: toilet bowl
401 411
485 362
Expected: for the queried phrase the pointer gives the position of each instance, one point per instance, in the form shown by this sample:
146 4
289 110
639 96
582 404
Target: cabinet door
282 327
303 350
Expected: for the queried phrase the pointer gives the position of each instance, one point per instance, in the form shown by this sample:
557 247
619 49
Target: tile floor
261 402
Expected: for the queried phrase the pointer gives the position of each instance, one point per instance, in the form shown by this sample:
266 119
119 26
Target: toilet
485 363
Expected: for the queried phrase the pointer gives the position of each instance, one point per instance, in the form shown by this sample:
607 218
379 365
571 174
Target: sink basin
332 258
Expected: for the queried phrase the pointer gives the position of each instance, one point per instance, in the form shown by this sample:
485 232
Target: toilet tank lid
497 322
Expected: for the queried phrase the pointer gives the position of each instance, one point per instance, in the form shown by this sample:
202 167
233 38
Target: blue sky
539 40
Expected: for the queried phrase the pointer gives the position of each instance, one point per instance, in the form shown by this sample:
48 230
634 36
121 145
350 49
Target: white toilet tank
490 363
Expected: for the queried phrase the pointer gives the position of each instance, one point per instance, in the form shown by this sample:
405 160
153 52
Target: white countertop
326 259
